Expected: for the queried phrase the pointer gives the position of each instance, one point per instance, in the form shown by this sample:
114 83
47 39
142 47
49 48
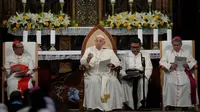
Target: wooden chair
88 42
30 48
166 45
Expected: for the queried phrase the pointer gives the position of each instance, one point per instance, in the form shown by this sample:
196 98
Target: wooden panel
163 5
1 10
65 43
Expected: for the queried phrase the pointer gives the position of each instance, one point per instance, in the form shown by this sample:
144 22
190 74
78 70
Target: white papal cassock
177 90
131 61
98 84
12 81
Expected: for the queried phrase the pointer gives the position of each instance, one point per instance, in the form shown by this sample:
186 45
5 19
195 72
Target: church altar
76 54
80 31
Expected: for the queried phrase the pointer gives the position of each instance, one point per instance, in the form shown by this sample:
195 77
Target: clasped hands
20 72
174 66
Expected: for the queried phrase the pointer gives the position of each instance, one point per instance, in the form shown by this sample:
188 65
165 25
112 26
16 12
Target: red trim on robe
23 82
193 86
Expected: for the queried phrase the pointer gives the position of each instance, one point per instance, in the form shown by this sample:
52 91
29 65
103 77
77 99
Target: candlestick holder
113 8
150 4
61 5
24 7
39 47
42 4
155 45
131 7
52 47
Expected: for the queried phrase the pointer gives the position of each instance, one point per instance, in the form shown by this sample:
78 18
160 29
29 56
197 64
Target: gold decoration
103 100
107 96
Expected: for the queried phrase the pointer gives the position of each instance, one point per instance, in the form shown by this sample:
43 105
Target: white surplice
131 61
176 90
98 83
12 81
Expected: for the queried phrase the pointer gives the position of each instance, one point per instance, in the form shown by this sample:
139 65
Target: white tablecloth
76 54
82 31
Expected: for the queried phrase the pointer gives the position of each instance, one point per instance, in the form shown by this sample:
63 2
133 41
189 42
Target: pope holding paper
102 88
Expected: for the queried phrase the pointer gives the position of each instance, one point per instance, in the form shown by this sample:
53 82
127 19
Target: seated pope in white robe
133 60
179 85
19 67
102 88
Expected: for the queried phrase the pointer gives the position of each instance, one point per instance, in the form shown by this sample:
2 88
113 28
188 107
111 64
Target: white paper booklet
103 66
180 61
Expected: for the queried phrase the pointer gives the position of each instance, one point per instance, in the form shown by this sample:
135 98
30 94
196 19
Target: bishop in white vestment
102 89
177 86
132 60
18 67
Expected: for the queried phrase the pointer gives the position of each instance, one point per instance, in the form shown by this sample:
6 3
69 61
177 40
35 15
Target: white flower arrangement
31 21
139 20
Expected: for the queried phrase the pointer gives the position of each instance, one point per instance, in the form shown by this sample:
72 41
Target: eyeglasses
21 47
135 47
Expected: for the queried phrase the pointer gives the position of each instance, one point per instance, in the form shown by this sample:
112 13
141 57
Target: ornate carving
86 12
81 12
92 8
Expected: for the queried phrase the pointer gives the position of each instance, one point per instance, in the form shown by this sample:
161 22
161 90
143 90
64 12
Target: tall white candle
113 1
38 36
149 0
130 1
155 35
61 1
169 34
42 1
140 35
53 36
23 1
25 36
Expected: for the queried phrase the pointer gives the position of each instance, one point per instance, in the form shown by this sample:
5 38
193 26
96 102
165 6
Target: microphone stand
144 98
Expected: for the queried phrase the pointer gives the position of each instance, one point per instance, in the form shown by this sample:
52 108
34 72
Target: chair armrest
3 68
195 67
118 68
163 68
82 67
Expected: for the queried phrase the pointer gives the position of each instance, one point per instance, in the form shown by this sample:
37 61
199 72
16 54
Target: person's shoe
97 110
171 108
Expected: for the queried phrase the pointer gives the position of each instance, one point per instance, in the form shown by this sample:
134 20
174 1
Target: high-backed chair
30 48
88 42
166 45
